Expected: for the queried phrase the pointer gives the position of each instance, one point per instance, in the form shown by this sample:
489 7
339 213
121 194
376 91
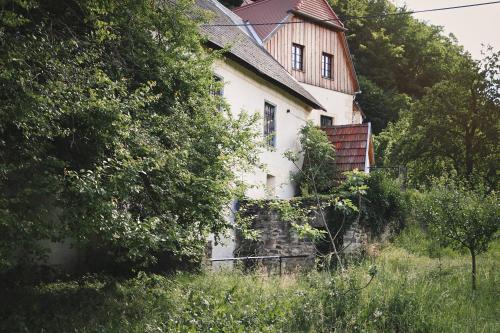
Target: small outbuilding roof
353 146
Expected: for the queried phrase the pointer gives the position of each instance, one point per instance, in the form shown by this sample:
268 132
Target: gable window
326 65
270 124
297 57
326 121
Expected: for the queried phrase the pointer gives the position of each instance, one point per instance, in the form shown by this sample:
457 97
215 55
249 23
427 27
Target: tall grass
411 293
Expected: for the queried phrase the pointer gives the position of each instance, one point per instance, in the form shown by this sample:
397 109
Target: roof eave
318 21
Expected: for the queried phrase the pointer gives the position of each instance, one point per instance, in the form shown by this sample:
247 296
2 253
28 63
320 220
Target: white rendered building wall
338 105
246 92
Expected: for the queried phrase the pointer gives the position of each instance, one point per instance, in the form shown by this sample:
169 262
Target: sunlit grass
411 293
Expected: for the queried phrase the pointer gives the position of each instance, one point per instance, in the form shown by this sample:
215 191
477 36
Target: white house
287 73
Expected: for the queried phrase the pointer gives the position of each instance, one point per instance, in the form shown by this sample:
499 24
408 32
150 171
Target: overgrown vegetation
412 293
385 205
108 132
315 162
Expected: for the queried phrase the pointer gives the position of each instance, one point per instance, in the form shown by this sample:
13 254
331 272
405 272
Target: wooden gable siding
316 39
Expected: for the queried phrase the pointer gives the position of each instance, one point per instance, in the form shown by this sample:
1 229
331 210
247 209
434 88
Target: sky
471 26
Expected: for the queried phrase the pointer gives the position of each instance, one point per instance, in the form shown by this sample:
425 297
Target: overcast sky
471 26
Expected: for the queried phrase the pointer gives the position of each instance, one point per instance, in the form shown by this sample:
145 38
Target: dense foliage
384 206
396 56
315 162
108 132
454 127
411 293
443 105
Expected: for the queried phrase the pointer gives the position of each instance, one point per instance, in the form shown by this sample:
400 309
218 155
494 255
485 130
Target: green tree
460 216
108 132
454 127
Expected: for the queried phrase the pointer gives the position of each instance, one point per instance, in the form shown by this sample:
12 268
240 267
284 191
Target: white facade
338 105
244 91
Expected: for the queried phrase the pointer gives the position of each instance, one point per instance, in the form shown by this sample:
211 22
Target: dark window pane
326 121
217 88
270 124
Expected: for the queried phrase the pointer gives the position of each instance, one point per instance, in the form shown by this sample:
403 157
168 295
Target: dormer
307 38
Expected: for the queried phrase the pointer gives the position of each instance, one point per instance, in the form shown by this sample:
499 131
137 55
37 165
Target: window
270 186
217 91
270 124
326 121
326 65
297 57
217 87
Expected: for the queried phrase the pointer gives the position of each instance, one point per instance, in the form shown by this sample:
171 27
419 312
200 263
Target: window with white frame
326 65
297 57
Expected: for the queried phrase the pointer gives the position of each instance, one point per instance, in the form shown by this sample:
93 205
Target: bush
109 135
317 174
384 203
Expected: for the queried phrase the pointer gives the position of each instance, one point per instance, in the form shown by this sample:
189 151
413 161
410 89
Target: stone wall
278 238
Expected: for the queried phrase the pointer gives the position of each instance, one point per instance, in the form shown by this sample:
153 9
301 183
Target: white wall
245 91
338 105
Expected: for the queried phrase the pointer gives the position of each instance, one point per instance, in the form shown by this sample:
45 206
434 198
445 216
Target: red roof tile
352 146
276 11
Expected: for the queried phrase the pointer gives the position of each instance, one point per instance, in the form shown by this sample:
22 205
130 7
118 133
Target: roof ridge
249 5
298 4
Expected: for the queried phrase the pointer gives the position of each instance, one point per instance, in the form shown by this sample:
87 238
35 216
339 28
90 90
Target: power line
361 17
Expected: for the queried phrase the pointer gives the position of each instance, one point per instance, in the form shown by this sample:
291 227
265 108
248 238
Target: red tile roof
275 11
353 146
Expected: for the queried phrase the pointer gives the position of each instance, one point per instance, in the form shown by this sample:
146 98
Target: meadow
416 289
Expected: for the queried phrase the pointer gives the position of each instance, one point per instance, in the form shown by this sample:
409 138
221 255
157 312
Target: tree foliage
437 108
454 127
397 56
461 216
108 132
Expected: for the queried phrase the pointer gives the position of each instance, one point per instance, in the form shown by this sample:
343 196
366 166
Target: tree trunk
473 257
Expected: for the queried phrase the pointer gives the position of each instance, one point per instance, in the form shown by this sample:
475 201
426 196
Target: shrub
317 173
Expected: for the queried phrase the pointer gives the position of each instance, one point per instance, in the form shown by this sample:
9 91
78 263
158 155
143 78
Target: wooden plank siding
316 39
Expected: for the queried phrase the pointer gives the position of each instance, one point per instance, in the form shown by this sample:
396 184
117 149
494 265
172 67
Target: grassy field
411 293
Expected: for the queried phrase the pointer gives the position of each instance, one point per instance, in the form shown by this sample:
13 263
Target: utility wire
361 17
